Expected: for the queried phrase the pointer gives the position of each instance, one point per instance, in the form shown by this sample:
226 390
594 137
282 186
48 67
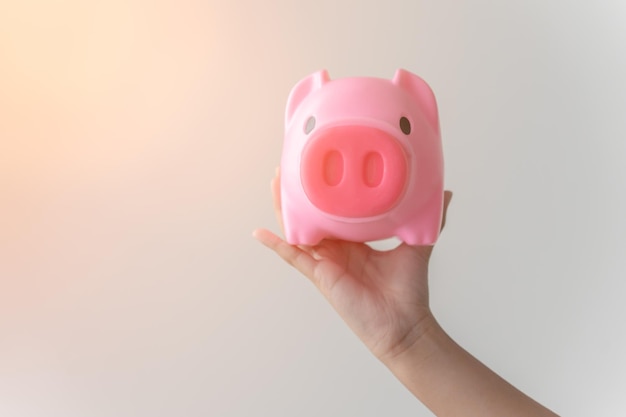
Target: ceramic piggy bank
362 160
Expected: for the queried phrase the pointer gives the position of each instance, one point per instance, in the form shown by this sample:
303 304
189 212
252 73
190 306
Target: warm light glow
112 131
92 78
90 93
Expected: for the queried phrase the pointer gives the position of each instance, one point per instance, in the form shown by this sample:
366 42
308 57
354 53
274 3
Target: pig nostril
333 168
373 169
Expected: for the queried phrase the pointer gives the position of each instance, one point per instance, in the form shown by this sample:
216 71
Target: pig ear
418 88
301 90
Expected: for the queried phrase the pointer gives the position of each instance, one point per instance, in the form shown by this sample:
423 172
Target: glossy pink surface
362 160
353 171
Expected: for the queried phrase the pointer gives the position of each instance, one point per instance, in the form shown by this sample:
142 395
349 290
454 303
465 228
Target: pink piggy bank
362 160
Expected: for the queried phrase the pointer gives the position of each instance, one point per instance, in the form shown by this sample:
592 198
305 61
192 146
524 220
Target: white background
137 142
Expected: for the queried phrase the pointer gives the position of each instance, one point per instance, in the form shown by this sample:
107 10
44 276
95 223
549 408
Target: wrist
450 381
425 339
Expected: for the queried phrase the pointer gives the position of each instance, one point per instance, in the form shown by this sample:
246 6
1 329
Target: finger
275 186
447 197
293 255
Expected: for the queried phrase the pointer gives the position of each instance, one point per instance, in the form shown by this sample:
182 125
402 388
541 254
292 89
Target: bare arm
383 297
451 382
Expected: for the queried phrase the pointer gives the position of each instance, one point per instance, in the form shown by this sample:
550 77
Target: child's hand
382 295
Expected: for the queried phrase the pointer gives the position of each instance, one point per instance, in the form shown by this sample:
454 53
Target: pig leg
424 228
300 228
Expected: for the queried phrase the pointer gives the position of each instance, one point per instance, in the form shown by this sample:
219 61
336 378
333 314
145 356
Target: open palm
382 295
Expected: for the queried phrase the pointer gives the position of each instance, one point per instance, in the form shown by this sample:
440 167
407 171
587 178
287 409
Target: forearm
451 382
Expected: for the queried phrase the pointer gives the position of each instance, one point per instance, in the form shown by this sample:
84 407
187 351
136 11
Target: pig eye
309 125
405 125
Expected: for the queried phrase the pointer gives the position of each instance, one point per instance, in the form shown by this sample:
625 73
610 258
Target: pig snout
353 171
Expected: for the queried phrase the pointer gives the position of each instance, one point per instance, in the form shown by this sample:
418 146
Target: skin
383 297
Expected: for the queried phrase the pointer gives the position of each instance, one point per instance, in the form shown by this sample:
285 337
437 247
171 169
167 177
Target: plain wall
137 142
